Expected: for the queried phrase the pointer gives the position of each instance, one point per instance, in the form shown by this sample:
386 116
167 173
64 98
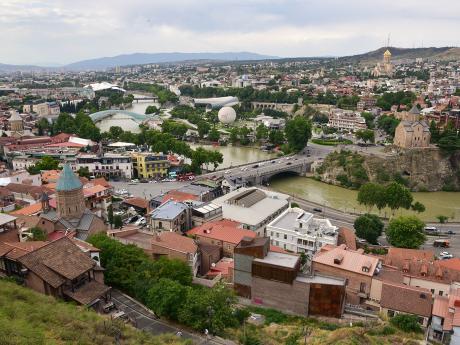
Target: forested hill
431 53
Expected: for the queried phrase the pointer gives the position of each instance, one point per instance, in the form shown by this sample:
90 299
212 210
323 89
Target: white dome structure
226 115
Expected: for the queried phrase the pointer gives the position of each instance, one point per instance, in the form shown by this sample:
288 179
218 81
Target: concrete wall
290 298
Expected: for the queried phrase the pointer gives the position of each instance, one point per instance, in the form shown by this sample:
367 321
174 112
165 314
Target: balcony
363 294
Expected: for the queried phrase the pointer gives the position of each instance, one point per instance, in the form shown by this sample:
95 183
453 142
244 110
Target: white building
298 231
269 122
254 208
350 120
110 165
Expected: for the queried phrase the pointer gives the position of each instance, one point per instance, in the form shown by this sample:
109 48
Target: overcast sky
64 31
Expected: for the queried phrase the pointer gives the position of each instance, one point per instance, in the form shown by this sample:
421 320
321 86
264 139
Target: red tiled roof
222 230
101 182
350 260
347 237
453 264
175 241
178 196
28 210
137 202
407 299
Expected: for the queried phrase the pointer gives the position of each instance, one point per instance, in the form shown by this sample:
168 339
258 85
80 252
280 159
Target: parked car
227 172
316 209
450 232
445 255
140 221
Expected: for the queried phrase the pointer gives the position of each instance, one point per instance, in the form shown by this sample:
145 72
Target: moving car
450 232
316 209
441 243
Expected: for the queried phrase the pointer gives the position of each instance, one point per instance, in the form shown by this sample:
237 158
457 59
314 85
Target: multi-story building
412 134
298 231
47 109
165 244
343 119
107 165
273 279
224 233
355 266
171 216
150 165
254 208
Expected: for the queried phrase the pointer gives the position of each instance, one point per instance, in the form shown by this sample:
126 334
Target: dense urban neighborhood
226 201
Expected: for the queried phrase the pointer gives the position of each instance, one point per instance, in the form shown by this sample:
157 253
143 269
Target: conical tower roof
14 116
387 53
414 110
68 180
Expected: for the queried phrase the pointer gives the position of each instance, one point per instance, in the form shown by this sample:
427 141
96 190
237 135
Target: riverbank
339 198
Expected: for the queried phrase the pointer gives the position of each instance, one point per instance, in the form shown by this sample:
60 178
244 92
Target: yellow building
150 165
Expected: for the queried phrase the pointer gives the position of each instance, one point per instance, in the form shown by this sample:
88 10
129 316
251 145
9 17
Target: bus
441 243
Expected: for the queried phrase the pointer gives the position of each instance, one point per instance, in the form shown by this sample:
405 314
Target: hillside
398 54
422 170
27 317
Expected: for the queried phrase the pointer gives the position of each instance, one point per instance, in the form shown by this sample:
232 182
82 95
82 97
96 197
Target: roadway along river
436 203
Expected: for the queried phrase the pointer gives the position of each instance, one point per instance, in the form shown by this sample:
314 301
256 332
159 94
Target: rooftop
68 180
257 211
222 230
169 210
280 259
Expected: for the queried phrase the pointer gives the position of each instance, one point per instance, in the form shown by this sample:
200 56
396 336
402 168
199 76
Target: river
236 155
436 203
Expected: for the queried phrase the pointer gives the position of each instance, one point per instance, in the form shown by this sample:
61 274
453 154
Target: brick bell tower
70 199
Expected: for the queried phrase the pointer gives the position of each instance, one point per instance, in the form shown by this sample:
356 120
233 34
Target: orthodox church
71 214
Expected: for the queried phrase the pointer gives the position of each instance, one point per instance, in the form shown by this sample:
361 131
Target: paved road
148 190
147 321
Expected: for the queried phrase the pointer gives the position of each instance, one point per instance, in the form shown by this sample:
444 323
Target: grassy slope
27 317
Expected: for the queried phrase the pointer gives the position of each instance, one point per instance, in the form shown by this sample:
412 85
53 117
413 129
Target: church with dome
71 214
385 68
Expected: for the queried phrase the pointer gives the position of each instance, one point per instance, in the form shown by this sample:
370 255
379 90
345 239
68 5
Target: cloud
66 31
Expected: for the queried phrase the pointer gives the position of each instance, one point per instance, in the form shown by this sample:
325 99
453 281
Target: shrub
406 323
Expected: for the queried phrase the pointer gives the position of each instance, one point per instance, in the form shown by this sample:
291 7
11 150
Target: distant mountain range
141 59
432 53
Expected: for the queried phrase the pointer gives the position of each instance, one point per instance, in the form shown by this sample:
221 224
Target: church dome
68 180
387 53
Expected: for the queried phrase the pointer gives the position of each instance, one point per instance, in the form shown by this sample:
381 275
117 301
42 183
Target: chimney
338 259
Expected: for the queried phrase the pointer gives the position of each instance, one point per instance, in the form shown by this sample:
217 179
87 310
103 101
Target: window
441 293
160 225
362 287
432 291
271 233
285 237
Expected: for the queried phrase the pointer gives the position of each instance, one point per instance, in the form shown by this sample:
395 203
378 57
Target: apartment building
150 165
107 165
299 231
344 119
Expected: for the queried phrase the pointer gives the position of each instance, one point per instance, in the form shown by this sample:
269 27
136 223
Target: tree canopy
298 131
406 232
368 227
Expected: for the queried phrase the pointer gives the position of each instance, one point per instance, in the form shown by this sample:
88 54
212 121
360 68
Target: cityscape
282 179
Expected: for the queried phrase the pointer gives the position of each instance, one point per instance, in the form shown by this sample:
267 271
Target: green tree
298 131
369 227
406 232
210 309
43 126
449 143
214 134
38 234
398 196
83 172
418 207
369 194
234 135
406 323
65 124
110 214
46 163
115 132
117 222
166 297
365 135
442 219
276 137
261 132
203 128
151 109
